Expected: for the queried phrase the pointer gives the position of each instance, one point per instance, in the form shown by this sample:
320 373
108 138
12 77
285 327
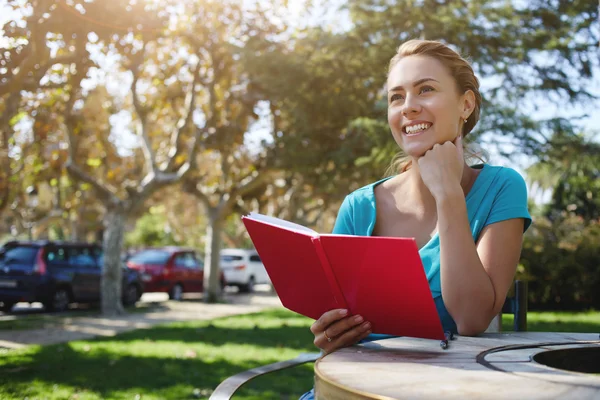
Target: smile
416 129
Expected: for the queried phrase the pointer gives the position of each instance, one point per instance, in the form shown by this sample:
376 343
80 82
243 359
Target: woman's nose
411 105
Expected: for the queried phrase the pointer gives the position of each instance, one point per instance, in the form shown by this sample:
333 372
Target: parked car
173 270
243 268
57 274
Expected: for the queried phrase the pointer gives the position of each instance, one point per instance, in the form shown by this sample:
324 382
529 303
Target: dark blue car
57 274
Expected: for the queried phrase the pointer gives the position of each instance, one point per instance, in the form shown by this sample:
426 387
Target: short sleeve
344 223
511 200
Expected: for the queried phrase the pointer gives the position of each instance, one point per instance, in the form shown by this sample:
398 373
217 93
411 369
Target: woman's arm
475 278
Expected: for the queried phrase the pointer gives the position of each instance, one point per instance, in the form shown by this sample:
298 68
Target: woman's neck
420 191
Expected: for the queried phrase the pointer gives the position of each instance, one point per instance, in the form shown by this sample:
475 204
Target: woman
468 222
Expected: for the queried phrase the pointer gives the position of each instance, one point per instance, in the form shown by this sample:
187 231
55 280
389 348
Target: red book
380 278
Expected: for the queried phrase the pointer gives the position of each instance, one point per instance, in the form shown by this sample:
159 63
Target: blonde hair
463 75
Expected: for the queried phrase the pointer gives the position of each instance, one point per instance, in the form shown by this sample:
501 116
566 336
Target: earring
465 120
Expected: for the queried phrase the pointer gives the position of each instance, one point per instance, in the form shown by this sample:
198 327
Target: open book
380 278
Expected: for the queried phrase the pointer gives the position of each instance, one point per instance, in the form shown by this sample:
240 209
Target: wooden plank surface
410 368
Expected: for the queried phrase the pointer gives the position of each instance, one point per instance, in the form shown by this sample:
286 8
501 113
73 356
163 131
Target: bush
561 262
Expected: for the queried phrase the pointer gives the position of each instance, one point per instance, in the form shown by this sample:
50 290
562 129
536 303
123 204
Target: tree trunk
114 222
76 228
212 285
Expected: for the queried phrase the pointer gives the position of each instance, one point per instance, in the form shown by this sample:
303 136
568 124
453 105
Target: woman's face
424 107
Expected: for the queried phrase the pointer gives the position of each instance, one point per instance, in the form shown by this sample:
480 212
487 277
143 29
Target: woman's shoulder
367 192
502 175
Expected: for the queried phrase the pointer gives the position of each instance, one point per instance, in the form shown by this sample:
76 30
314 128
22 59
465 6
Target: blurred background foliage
179 116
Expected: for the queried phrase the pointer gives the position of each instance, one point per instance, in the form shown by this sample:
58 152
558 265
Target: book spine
333 283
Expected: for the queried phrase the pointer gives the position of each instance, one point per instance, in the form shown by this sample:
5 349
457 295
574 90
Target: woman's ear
468 100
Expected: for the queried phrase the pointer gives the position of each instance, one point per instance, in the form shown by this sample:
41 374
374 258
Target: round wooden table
491 366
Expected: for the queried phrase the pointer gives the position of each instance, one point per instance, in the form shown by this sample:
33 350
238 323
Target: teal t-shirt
498 194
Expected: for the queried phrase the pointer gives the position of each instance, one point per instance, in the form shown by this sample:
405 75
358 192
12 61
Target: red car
172 270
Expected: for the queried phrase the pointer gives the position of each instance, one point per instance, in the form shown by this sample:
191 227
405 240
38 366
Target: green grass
175 361
188 360
558 321
24 322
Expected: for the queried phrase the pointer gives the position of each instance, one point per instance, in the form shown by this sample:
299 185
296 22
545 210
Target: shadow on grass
108 375
39 318
283 333
113 373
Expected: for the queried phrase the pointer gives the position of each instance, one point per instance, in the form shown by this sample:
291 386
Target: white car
243 268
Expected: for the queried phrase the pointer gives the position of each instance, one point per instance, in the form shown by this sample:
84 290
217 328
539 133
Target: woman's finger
327 319
347 338
458 142
343 325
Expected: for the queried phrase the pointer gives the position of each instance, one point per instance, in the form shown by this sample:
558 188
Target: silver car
243 268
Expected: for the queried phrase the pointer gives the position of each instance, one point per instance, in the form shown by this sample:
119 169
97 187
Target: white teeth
416 128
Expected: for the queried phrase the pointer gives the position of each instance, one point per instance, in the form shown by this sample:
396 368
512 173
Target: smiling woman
468 221
454 96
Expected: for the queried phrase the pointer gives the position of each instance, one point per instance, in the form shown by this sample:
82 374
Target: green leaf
94 162
15 120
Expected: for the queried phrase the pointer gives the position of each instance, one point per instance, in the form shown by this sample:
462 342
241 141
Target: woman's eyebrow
416 83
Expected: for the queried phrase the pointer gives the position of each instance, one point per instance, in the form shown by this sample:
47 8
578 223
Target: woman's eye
425 89
396 97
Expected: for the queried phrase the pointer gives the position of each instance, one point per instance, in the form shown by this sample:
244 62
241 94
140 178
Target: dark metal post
520 306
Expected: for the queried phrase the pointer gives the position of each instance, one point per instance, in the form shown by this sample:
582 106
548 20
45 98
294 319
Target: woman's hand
335 329
442 167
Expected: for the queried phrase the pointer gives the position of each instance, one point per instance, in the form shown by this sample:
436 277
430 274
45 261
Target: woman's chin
416 150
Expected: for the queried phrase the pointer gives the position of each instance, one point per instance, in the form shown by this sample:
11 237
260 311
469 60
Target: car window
151 257
56 255
255 258
229 258
18 255
82 257
199 261
186 260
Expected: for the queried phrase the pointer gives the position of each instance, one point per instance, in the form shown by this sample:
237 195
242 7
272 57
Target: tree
130 31
569 168
162 116
524 51
227 168
25 65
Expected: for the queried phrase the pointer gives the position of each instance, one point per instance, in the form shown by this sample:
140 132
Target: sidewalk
58 329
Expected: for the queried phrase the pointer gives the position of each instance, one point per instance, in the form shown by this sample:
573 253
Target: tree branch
192 188
251 183
11 109
103 192
142 113
71 122
185 122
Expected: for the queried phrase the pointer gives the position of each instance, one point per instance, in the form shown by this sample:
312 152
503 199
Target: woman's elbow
472 327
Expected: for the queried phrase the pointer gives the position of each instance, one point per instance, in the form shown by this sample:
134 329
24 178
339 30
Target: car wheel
131 295
176 293
248 287
7 307
59 302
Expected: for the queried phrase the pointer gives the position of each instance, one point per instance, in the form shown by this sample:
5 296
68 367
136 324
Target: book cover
380 278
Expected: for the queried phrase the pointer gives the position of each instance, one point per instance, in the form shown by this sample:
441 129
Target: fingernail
367 325
343 312
358 319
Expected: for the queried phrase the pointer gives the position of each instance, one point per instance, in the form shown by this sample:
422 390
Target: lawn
187 360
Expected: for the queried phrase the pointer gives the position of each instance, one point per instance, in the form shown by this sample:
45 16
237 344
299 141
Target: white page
283 224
